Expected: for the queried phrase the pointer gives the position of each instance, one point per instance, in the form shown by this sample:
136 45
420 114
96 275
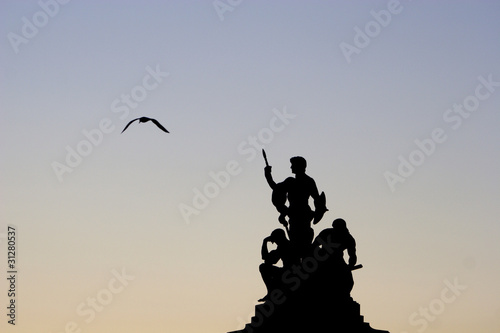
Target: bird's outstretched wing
129 124
159 125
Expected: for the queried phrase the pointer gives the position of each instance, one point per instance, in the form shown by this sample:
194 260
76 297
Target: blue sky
262 74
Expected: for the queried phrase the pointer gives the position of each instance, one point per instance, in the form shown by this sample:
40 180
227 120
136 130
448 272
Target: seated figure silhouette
272 274
297 190
335 268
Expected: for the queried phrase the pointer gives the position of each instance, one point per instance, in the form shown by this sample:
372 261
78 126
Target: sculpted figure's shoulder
289 181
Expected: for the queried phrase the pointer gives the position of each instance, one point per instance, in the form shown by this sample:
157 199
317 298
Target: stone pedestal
316 304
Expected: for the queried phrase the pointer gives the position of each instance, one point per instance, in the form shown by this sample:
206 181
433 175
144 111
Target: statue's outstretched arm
269 177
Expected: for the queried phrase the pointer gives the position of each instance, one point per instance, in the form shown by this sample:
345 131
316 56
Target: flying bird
146 119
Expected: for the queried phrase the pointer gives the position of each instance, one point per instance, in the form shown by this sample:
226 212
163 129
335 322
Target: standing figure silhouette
297 191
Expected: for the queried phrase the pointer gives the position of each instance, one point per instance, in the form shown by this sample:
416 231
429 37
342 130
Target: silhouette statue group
308 281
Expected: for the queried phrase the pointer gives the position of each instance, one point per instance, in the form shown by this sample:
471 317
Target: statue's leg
301 233
271 275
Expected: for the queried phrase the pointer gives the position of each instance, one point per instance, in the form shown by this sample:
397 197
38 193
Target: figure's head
299 164
339 224
278 236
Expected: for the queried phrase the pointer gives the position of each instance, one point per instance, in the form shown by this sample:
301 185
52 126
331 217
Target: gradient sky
221 80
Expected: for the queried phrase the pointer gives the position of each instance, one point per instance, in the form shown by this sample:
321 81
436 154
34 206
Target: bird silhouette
146 119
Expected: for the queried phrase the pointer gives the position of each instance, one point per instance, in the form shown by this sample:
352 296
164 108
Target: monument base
319 304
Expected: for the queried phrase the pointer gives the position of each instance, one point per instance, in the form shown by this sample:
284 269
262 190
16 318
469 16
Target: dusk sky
394 105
